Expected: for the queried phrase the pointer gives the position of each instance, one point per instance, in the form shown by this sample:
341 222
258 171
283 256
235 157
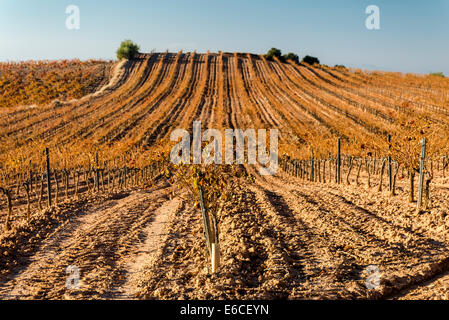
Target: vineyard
86 181
40 82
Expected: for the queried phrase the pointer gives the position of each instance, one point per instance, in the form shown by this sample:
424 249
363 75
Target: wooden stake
215 257
7 193
349 170
381 175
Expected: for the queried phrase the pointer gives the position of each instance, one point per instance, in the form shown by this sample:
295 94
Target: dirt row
280 238
284 239
105 238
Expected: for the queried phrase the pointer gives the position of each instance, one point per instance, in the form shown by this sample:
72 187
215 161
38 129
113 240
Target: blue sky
414 35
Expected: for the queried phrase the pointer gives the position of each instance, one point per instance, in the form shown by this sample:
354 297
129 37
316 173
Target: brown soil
280 237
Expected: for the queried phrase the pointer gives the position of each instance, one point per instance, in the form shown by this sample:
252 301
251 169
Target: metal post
390 174
31 177
339 161
97 175
421 172
312 173
48 177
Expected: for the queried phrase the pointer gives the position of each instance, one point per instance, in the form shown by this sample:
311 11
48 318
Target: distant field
310 105
39 82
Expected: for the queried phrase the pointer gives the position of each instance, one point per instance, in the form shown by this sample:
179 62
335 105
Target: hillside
164 91
297 234
32 83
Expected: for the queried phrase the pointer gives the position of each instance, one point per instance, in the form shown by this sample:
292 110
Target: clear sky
413 35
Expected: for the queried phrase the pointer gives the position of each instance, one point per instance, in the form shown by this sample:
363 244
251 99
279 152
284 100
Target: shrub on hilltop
273 52
310 60
127 50
437 74
291 56
340 66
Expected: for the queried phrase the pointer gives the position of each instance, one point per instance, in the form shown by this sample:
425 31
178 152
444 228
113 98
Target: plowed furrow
98 243
83 109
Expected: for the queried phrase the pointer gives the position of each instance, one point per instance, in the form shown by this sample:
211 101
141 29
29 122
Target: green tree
310 60
291 56
437 74
127 50
273 52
